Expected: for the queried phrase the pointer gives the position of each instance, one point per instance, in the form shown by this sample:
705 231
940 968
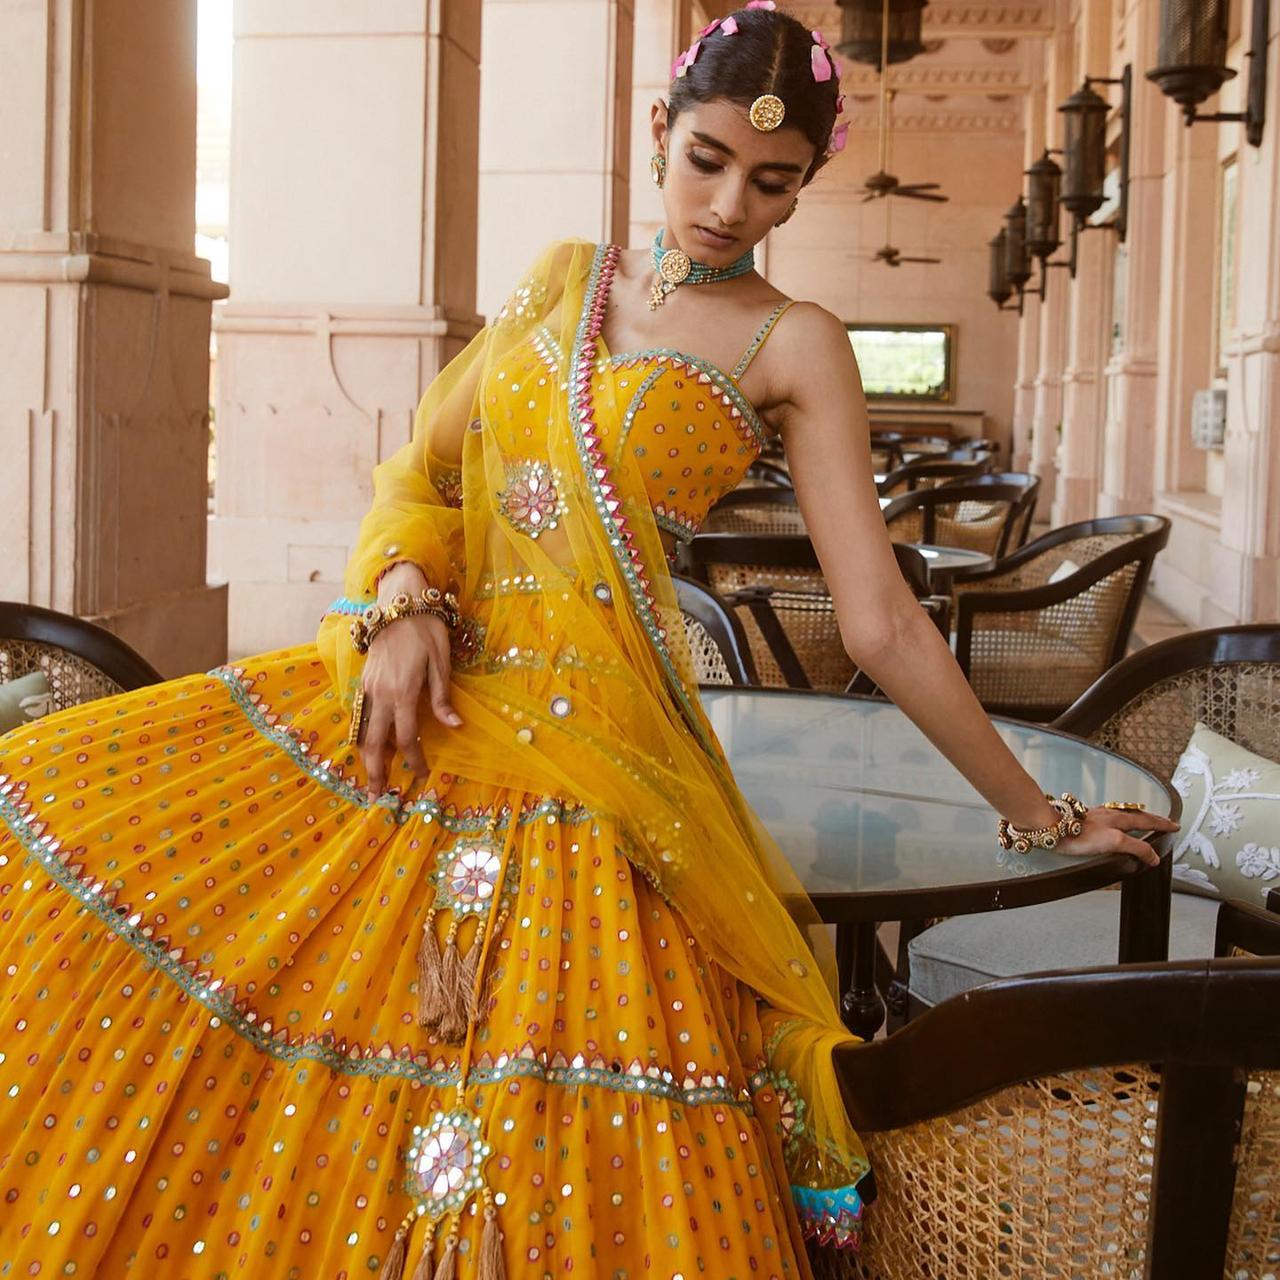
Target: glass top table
879 825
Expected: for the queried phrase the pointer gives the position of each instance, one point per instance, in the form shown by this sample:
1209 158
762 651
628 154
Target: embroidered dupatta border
626 557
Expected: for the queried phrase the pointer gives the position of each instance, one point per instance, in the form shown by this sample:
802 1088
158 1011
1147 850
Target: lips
717 235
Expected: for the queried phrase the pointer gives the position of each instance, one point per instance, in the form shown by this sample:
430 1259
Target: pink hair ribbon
759 4
839 136
820 63
730 26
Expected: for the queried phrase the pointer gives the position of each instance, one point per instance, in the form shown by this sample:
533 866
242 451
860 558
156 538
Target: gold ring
357 718
1129 806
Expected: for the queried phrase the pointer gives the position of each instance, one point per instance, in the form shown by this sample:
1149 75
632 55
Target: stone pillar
1024 389
662 29
1245 581
552 164
1087 339
1127 482
353 252
104 325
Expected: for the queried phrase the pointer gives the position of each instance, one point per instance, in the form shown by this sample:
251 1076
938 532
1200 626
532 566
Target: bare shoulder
810 329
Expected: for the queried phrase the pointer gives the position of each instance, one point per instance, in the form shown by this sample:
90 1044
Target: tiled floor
1156 622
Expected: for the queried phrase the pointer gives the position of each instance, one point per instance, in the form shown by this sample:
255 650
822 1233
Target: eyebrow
729 151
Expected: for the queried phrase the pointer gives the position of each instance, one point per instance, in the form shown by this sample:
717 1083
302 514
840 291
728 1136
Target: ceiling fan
889 254
882 183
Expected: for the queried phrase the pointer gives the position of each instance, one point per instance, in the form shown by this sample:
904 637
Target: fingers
1140 820
438 674
407 741
1140 849
373 747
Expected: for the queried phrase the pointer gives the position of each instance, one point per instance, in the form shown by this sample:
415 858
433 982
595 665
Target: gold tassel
452 1025
398 1255
427 1257
491 1266
467 977
430 983
448 1267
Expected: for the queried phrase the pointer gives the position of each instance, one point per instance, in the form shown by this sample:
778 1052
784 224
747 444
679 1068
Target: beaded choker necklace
675 267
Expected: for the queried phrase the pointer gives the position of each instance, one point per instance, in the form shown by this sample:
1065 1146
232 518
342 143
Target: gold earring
658 168
791 208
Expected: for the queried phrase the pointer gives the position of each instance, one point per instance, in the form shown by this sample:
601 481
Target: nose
729 203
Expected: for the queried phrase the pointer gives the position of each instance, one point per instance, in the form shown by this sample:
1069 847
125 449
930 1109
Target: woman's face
725 176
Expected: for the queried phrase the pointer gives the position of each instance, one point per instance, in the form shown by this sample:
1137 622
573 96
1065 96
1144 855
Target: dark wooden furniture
1244 929
81 660
929 473
774 581
1146 706
979 518
764 472
1029 646
716 639
1030 484
1116 1121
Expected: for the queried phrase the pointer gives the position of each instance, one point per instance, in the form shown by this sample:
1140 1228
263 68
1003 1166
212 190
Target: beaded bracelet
1070 824
430 600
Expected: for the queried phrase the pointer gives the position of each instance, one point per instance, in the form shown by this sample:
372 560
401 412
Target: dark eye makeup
708 166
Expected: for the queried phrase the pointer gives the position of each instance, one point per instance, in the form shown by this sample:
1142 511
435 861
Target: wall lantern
862 27
1193 55
1084 151
999 287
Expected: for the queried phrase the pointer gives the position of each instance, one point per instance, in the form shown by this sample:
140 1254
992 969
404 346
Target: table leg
861 1005
1144 913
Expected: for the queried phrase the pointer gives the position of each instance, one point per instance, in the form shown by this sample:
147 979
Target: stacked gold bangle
430 600
1070 824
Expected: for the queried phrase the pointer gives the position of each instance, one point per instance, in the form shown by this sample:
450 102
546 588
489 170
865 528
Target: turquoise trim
634 404
744 362
684 532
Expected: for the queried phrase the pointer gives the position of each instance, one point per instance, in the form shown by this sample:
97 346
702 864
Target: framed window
1225 263
905 362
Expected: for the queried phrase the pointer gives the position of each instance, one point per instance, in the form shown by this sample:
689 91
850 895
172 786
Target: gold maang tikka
767 112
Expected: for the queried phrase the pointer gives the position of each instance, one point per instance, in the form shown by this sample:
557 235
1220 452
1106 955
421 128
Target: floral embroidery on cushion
531 500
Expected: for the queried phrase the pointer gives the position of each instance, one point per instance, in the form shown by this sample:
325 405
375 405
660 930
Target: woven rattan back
1077 1124
1050 1177
1227 678
956 515
716 640
72 679
1031 646
763 509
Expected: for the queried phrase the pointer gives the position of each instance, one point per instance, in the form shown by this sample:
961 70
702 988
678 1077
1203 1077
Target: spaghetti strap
759 340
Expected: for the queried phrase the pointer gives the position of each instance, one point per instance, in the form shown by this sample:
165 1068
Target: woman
447 947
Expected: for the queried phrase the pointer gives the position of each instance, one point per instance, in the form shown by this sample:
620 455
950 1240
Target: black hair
771 52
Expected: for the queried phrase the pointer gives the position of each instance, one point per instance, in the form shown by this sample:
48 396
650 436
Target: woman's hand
404 657
1105 831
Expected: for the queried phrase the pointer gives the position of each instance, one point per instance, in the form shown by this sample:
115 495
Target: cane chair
1034 632
715 636
886 450
766 473
776 587
1020 523
80 660
1145 707
977 518
760 510
1122 1122
929 473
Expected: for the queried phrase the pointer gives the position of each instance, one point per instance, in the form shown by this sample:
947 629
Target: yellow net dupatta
515 489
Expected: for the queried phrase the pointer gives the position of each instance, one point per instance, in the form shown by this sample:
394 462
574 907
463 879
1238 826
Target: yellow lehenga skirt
210 1062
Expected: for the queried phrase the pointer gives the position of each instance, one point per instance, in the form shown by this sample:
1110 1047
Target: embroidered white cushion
1230 837
1064 570
25 699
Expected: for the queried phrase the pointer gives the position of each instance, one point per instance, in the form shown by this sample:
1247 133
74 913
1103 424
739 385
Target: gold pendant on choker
672 270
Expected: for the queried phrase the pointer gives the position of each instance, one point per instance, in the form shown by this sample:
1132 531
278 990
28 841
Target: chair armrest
756 600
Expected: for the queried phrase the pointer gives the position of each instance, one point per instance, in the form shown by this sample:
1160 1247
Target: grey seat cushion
1072 933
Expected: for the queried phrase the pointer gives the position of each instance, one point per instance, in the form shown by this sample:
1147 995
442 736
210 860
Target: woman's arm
822 416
